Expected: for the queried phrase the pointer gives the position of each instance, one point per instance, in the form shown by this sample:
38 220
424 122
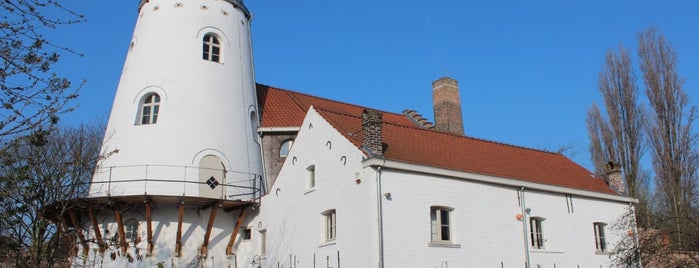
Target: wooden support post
231 241
79 231
212 217
149 226
180 216
122 235
96 229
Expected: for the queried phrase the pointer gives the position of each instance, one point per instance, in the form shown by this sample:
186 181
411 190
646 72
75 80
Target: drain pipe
524 231
379 201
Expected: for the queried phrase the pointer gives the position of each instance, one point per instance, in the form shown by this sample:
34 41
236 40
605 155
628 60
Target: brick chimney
614 177
372 140
447 106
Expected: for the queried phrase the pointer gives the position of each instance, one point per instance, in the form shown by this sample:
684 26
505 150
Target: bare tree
31 96
671 140
617 136
40 173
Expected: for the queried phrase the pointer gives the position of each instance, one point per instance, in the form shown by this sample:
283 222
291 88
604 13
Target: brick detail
372 138
272 161
447 106
417 118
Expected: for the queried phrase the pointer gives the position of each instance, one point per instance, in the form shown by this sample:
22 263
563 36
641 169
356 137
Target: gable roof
408 143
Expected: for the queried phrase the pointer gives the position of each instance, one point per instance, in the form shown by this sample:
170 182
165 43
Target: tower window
212 48
150 107
131 230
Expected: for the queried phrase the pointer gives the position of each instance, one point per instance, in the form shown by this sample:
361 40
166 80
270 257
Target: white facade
207 107
485 229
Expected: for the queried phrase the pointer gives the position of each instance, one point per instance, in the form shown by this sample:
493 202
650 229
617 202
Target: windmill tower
181 142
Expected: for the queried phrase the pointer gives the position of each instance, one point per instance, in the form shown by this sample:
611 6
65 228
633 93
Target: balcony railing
176 181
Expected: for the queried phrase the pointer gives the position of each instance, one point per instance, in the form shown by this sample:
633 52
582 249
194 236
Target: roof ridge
449 134
326 99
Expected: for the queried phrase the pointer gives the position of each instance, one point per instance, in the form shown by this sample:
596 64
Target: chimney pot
615 178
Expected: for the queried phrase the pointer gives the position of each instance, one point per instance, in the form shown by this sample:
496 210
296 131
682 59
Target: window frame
330 226
285 147
245 234
211 48
149 109
600 236
131 230
263 242
536 233
311 177
437 225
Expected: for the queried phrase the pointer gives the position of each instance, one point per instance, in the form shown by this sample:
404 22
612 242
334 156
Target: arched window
212 48
150 107
131 230
285 147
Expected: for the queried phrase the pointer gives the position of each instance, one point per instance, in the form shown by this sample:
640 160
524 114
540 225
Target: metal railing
176 181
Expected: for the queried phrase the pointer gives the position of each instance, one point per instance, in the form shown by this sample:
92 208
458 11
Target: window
311 176
441 230
246 233
150 107
212 48
131 230
600 240
263 242
535 232
330 225
254 125
285 147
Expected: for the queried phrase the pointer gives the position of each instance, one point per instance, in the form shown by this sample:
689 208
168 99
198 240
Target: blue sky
527 70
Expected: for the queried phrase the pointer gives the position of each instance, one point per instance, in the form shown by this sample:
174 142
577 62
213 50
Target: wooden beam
96 229
212 217
149 226
180 216
79 231
122 235
231 241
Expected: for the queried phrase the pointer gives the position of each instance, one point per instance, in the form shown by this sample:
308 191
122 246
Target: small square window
212 182
246 234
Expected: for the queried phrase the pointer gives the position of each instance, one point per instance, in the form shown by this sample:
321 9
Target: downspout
524 231
379 202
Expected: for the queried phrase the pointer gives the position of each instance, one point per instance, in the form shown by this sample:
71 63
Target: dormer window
212 48
149 109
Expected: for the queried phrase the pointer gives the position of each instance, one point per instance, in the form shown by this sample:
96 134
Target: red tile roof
408 143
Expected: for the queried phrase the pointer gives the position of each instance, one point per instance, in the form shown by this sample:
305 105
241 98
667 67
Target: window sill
543 250
309 190
327 243
443 244
597 252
